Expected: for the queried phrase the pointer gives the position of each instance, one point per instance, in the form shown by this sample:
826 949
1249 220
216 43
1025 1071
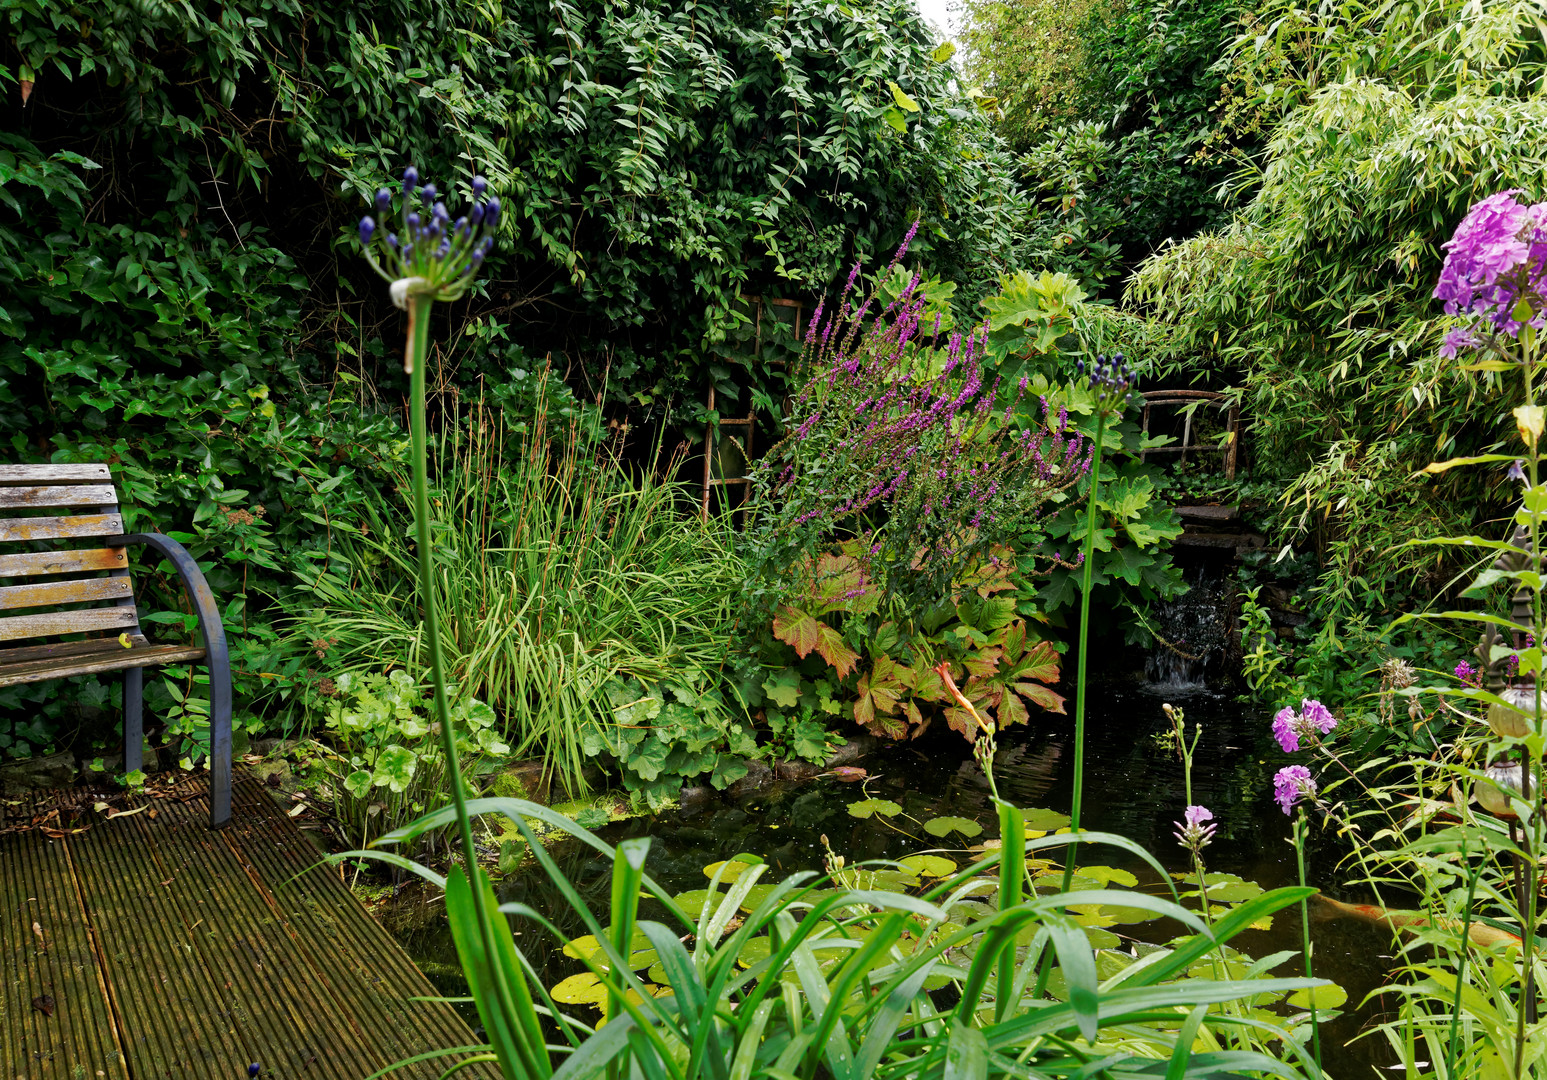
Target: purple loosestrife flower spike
1292 783
1467 675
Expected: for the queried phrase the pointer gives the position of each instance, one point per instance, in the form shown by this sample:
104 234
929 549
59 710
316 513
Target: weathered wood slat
53 474
103 660
29 563
62 528
214 950
15 498
24 653
78 621
70 1033
70 591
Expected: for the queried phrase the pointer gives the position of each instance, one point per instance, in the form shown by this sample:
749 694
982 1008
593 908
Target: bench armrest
216 655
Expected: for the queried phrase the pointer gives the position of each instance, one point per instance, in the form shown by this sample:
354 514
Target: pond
1133 787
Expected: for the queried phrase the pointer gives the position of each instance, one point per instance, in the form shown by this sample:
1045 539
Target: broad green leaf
866 807
941 826
900 99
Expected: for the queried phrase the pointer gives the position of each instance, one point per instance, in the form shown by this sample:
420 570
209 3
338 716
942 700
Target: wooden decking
148 946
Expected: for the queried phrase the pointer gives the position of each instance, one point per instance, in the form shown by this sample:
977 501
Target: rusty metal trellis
1230 452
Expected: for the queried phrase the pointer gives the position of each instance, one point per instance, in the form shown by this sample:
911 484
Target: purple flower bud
479 184
392 241
475 215
367 226
383 200
428 194
413 221
410 180
492 211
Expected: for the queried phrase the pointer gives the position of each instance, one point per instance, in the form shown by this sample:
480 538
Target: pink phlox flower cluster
1497 256
1195 830
1291 784
1313 719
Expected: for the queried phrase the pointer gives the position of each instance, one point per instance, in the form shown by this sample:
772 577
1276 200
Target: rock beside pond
855 749
34 774
759 776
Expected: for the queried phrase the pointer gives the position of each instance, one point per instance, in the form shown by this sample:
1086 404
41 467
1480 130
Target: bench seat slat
28 563
54 474
59 667
17 654
15 498
77 621
73 591
61 528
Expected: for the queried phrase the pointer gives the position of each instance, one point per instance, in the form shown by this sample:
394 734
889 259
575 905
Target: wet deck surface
146 946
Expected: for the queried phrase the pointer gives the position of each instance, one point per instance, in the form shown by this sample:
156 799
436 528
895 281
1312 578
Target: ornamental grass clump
897 436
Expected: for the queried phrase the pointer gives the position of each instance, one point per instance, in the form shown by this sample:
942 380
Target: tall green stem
1087 560
1305 934
1532 832
418 359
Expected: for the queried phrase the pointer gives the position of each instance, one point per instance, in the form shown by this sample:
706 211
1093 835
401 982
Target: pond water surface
1134 787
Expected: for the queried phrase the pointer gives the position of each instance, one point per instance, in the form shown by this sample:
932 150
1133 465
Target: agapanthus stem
419 307
1081 639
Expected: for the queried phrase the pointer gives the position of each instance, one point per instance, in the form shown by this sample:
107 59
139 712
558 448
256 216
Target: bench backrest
53 519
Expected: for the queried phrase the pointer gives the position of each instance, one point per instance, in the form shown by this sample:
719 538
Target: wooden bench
60 525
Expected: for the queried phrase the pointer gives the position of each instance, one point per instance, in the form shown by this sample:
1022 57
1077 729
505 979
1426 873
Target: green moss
507 785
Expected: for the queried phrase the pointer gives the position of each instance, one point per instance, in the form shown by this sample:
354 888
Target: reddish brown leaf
835 650
797 629
1053 703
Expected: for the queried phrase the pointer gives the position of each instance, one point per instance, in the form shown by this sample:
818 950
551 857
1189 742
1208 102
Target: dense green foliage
1114 106
1319 290
176 183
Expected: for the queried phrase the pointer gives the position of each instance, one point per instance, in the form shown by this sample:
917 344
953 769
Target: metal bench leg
219 737
134 719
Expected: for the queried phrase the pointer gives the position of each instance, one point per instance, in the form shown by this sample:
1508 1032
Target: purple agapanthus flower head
1284 730
1194 831
1497 257
1290 784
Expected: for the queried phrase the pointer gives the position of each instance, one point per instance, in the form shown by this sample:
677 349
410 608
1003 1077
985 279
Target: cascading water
1194 630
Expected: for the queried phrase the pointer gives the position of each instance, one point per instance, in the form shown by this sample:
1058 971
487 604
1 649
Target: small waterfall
1197 628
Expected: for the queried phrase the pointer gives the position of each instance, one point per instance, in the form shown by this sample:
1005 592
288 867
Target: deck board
179 952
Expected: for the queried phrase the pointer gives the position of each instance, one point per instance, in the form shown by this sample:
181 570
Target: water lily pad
755 896
759 948
940 826
641 955
692 901
866 807
930 866
1044 821
733 866
1102 939
1108 875
1119 914
1326 997
582 989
